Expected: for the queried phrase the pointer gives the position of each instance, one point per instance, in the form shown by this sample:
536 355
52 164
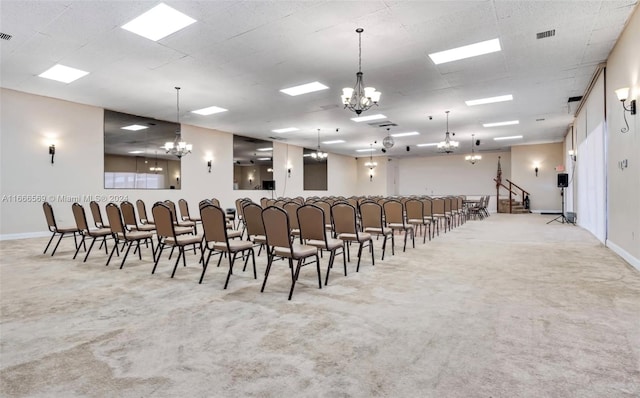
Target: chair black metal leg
50 239
56 248
330 264
231 261
77 250
359 256
295 278
344 260
318 269
180 253
128 244
88 251
266 273
253 260
159 249
115 248
373 257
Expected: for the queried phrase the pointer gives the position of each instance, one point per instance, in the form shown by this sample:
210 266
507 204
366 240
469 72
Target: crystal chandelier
371 164
448 145
473 158
359 98
318 154
178 147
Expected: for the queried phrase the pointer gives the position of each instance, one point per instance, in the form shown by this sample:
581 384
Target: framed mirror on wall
134 154
252 164
315 170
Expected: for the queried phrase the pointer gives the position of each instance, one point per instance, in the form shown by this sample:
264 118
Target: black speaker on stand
563 182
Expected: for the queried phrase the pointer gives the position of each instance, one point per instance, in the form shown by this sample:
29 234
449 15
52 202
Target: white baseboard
538 211
26 235
624 254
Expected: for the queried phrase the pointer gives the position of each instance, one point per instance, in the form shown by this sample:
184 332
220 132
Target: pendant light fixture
473 158
371 164
448 145
318 154
388 141
178 147
359 98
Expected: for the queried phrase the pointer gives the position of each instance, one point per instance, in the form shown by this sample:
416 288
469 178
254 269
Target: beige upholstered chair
55 230
142 212
372 222
394 217
97 215
416 217
128 237
313 233
176 221
439 213
276 225
186 216
214 224
255 228
292 211
346 228
130 220
427 206
83 228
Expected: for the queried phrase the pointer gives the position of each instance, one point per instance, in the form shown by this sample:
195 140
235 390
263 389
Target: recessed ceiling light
264 149
264 158
490 100
63 73
405 134
472 50
285 130
365 150
429 144
158 22
498 124
367 118
304 89
333 142
134 127
209 111
513 137
134 152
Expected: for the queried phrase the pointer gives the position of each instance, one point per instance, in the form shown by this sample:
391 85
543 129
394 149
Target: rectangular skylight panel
136 152
63 73
333 142
429 144
513 137
264 149
367 118
410 133
264 158
490 100
285 130
159 22
304 89
498 124
365 150
471 50
209 111
134 127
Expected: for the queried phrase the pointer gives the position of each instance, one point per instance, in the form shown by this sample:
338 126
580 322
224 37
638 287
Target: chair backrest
276 226
371 213
279 203
427 207
214 223
48 214
447 204
292 211
142 211
454 203
239 208
415 209
311 221
437 205
115 219
353 202
184 209
80 217
344 218
164 219
393 212
215 202
326 207
206 202
253 219
172 207
95 212
128 214
263 202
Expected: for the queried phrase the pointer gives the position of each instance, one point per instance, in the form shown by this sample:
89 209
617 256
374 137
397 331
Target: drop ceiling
240 54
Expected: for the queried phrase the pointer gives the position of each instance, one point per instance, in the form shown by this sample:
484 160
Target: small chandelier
448 145
359 98
318 154
371 164
178 147
473 158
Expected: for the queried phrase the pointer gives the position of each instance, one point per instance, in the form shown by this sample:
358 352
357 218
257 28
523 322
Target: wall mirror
252 163
315 171
134 156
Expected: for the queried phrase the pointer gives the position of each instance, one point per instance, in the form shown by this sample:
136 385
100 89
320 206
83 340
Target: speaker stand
561 218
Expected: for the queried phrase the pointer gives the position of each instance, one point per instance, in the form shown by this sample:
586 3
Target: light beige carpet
504 307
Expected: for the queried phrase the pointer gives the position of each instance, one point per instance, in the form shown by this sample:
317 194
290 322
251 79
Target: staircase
516 207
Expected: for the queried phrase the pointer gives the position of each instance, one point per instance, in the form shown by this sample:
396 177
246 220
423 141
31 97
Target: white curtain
591 189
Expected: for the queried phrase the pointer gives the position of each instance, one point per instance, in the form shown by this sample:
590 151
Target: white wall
623 185
31 123
376 185
543 189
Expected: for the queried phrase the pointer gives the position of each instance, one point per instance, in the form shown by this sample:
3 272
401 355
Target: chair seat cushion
361 237
299 251
100 232
183 240
183 230
378 231
232 233
67 229
186 223
146 227
259 238
330 244
415 221
234 245
137 235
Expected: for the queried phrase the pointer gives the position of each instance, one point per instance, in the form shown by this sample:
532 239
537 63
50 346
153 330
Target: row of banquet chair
290 229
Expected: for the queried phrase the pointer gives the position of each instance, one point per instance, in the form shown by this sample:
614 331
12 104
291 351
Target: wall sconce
52 151
289 172
536 170
572 155
623 94
209 165
250 181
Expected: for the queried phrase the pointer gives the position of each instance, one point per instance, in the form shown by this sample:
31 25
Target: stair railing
511 193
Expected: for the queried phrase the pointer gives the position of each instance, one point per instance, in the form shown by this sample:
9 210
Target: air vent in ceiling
276 138
5 36
385 123
544 35
575 99
540 119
